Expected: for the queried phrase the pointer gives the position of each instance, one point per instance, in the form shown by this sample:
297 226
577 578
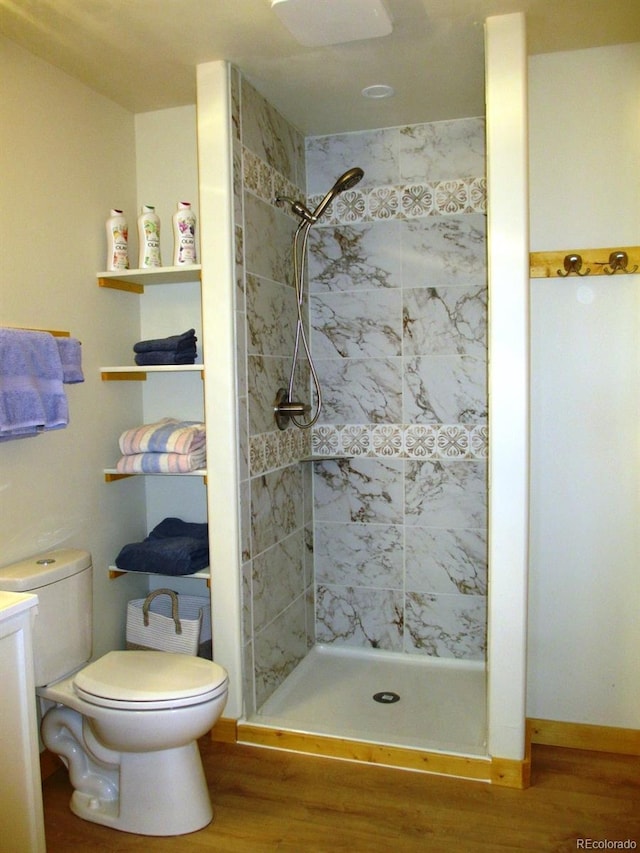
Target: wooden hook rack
584 262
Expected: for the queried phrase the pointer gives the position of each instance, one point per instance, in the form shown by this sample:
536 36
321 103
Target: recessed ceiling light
379 90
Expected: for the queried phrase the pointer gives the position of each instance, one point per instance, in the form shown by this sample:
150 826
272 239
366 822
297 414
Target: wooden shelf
139 372
112 474
203 574
134 281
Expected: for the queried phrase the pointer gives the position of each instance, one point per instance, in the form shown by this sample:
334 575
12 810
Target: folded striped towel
168 435
161 463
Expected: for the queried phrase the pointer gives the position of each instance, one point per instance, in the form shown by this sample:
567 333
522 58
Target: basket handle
174 607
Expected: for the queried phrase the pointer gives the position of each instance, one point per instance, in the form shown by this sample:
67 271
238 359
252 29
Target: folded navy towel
177 527
181 555
174 547
166 357
174 343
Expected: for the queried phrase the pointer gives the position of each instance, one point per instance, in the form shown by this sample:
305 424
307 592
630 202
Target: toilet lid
149 679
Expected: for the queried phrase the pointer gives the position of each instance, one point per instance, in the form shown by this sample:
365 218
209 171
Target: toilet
126 725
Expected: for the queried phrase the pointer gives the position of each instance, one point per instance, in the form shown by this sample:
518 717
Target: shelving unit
135 281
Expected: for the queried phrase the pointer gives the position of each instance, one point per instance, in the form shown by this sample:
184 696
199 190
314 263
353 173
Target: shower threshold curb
498 771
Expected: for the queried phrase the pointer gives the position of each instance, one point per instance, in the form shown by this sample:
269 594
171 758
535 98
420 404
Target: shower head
345 182
349 179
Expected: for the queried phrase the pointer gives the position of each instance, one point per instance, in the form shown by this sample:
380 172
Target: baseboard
513 774
225 730
585 736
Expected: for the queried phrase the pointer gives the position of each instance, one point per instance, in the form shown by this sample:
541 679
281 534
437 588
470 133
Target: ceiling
142 53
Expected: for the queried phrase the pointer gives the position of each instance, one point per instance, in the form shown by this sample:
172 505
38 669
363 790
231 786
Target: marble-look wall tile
371 618
442 150
376 151
271 317
248 679
364 555
446 494
265 375
267 240
444 251
279 648
362 490
355 325
278 578
359 391
245 520
446 561
276 507
235 85
445 390
350 257
452 626
270 136
445 321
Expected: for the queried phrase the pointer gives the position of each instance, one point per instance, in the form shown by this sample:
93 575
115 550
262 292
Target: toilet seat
148 680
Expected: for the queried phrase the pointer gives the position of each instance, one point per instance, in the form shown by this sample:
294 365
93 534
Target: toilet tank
62 631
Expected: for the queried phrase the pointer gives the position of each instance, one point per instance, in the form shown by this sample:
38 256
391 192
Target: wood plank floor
265 801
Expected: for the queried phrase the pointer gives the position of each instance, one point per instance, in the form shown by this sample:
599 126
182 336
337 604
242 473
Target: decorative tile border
398 441
372 204
271 450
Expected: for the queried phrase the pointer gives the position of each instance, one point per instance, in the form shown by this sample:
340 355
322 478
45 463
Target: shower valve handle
284 409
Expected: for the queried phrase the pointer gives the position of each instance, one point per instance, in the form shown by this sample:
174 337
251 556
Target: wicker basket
168 622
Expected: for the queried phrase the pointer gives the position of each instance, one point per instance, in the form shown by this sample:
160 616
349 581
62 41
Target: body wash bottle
184 235
149 238
117 241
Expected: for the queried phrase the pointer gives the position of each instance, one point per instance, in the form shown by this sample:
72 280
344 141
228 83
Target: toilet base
161 793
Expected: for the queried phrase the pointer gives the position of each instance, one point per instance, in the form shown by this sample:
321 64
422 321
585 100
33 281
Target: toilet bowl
125 725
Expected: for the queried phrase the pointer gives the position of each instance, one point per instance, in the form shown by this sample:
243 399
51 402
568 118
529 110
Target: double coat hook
619 261
573 263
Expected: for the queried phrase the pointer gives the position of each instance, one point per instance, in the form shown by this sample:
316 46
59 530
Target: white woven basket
168 622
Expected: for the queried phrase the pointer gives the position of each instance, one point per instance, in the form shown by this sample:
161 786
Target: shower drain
386 697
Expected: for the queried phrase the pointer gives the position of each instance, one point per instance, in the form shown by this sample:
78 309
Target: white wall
67 156
584 630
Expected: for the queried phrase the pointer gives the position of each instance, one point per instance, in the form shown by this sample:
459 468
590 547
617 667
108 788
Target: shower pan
285 408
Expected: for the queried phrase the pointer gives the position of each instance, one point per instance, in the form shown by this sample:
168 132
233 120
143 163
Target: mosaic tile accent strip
372 204
272 450
398 441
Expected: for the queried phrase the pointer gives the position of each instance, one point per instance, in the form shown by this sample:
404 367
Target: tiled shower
381 544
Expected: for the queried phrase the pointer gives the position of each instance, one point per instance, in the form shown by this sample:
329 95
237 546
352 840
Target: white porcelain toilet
125 725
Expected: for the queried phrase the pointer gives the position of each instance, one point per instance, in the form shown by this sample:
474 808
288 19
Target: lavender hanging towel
32 398
71 359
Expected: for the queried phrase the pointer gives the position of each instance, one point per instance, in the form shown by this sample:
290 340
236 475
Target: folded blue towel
177 527
179 556
174 547
166 357
71 359
32 398
174 343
